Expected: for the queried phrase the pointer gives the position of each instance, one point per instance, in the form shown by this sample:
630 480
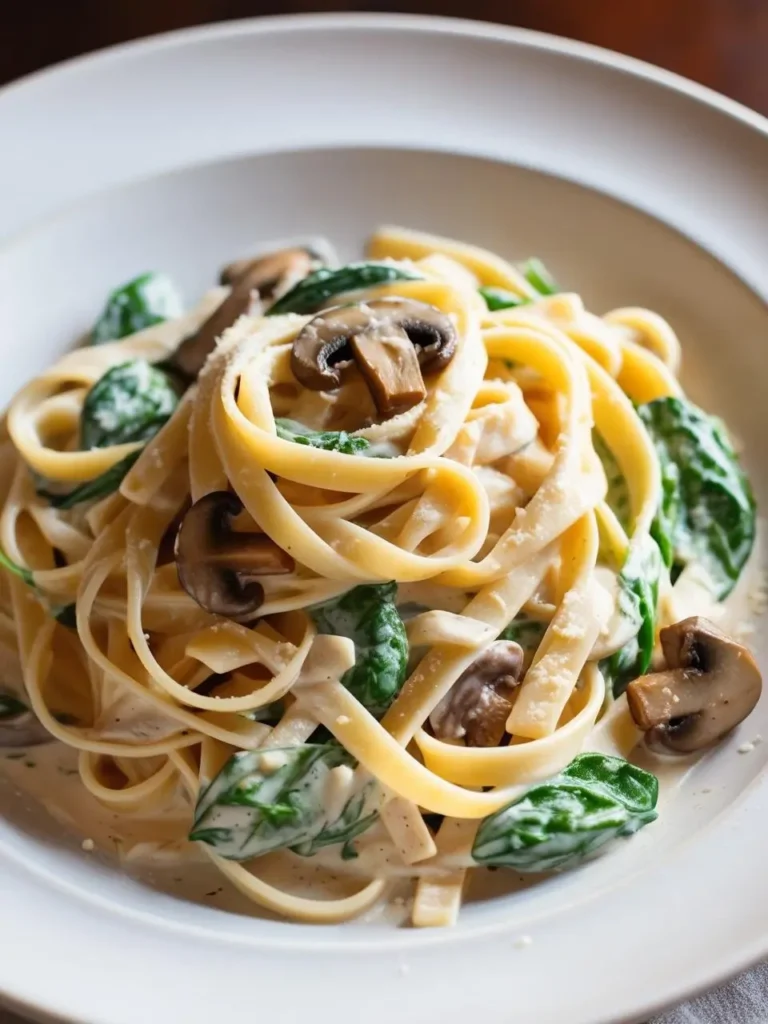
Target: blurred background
721 43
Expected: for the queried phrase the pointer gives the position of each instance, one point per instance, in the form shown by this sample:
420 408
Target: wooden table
721 43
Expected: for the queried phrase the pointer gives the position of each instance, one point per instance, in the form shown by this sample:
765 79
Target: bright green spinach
537 275
328 440
617 496
17 570
146 300
559 823
265 800
707 512
638 597
130 402
368 615
502 298
314 291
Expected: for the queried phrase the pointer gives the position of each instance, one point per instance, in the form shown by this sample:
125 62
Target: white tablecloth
743 1001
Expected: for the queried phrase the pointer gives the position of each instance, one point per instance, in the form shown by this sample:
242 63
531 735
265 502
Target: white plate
328 125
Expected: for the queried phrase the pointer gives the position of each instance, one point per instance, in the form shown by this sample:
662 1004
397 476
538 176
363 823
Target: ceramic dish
636 187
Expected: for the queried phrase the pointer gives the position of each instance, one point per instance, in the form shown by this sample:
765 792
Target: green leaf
352 821
369 617
328 440
638 597
146 300
558 824
707 511
537 275
502 298
130 402
11 707
102 485
272 799
314 291
617 497
17 570
524 631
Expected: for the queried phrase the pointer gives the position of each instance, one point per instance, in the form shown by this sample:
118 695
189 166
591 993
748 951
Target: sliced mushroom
478 704
219 568
251 280
19 726
710 685
391 340
273 270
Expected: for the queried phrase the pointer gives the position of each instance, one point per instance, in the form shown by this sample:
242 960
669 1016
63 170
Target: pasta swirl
343 654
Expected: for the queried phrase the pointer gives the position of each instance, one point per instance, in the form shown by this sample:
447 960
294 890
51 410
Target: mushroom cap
322 350
249 279
220 569
478 704
268 271
710 685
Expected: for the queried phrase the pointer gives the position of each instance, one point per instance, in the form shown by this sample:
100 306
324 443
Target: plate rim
588 53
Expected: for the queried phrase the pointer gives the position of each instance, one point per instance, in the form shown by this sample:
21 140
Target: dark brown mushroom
251 280
392 341
271 270
711 683
19 726
219 568
477 706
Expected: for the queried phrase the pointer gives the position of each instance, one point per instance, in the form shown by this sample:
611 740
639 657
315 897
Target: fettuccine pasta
367 567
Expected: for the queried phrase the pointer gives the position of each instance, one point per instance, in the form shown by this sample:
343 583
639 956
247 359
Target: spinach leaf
266 800
707 512
502 298
369 617
357 816
130 402
328 440
314 291
559 823
102 485
537 275
637 600
11 707
17 570
524 631
617 497
146 300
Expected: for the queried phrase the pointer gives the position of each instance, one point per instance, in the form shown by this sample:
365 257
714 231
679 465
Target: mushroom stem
387 360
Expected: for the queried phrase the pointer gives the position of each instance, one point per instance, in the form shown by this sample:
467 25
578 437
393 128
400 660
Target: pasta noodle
303 619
